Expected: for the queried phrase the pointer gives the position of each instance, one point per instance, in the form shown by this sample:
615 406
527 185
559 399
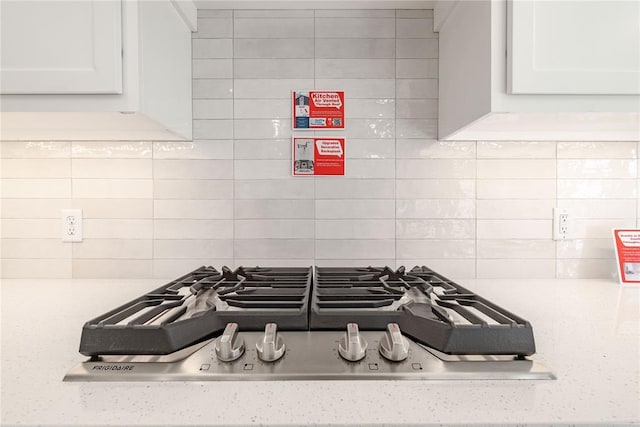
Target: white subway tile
212 68
355 209
193 169
586 249
360 88
421 249
341 262
586 269
417 109
414 13
355 249
285 262
35 168
111 168
118 229
263 209
264 129
201 149
455 269
114 208
516 209
417 68
274 189
597 150
417 48
112 188
112 269
598 168
215 13
273 68
33 208
35 248
262 108
516 149
277 13
516 169
598 208
429 149
516 268
599 228
273 28
370 149
255 149
428 229
383 108
111 150
274 229
354 13
516 248
193 209
340 188
435 189
417 88
354 68
213 129
365 129
436 168
355 28
191 248
415 28
274 248
34 149
31 228
212 48
435 208
370 168
212 88
36 188
212 109
36 268
262 169
273 48
597 188
170 269
193 229
514 229
196 189
354 48
214 28
355 229
260 88
113 249
417 128
516 189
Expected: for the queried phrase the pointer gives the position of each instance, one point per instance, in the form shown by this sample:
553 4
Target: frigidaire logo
113 368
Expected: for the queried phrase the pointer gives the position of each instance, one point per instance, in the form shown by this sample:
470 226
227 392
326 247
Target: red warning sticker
318 156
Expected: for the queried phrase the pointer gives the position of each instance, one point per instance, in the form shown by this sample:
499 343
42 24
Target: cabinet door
61 47
574 47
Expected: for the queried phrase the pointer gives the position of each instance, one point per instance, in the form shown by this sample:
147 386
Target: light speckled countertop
587 331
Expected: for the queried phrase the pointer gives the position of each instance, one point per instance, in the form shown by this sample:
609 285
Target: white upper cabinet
61 47
574 47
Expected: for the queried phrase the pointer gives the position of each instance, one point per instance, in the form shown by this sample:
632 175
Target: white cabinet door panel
61 47
574 47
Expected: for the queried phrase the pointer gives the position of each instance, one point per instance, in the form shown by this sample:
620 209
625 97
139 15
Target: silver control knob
230 346
393 346
271 346
352 346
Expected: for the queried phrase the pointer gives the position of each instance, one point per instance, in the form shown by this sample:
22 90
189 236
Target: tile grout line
233 141
395 137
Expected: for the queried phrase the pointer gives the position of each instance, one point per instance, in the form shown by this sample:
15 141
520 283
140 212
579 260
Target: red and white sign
628 254
318 156
314 109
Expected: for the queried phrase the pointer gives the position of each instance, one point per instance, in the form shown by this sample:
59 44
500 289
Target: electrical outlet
71 225
561 224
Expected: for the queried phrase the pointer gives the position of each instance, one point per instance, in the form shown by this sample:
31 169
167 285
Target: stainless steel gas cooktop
308 324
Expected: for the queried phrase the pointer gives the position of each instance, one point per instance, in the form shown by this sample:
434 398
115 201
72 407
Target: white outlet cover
71 225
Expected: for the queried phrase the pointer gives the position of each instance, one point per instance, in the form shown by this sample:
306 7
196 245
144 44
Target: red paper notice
314 109
628 254
318 156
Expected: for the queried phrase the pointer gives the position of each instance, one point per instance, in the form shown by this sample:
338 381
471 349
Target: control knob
230 346
352 346
393 346
271 347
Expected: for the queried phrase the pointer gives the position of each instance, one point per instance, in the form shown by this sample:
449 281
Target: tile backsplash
465 208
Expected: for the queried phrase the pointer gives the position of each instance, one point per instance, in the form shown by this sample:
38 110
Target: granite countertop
587 332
